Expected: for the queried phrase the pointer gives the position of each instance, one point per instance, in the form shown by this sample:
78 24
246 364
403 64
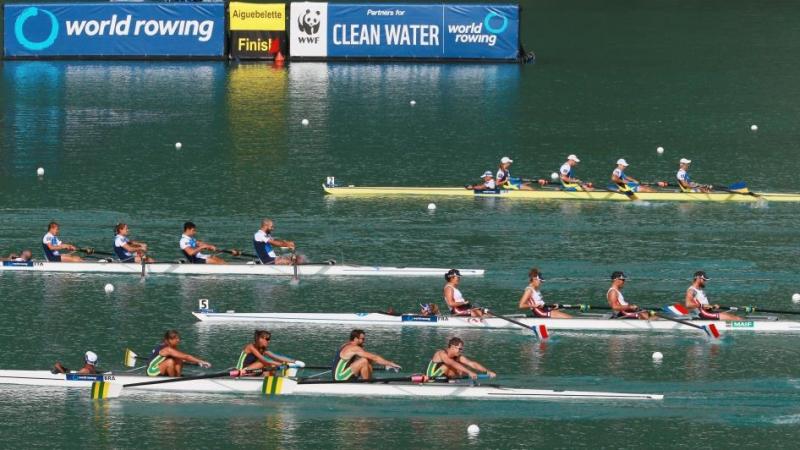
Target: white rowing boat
288 386
332 270
580 324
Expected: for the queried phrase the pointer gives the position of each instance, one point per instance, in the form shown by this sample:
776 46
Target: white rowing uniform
700 296
536 303
462 307
190 242
51 255
566 170
119 249
622 302
489 184
683 177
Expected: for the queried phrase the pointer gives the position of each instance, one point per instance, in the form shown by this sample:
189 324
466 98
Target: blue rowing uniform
264 250
630 184
190 242
51 255
119 249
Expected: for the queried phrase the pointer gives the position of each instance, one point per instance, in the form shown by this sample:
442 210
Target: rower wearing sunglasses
452 363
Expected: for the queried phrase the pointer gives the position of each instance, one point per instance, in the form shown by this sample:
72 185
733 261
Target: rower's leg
70 258
559 315
167 367
729 316
177 368
215 260
362 368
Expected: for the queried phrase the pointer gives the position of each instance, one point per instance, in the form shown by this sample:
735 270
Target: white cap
488 173
686 161
574 158
506 160
622 161
90 357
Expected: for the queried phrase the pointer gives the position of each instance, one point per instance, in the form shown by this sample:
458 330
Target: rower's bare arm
448 297
689 299
282 243
523 301
477 366
613 301
278 357
171 352
461 367
373 358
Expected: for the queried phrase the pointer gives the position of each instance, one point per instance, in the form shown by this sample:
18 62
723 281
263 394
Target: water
611 81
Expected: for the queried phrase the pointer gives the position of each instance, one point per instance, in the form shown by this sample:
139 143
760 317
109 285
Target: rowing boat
558 194
288 386
580 324
333 270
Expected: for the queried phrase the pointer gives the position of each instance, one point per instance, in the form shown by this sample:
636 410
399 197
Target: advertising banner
114 30
439 31
257 30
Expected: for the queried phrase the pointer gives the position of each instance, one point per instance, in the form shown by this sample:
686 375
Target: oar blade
130 358
105 389
541 332
711 329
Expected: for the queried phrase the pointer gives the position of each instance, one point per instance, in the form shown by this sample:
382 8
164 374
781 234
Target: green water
613 79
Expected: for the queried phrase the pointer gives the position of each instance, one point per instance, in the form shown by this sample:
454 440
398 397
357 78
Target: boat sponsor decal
740 324
257 30
414 318
113 30
440 31
272 386
17 263
89 377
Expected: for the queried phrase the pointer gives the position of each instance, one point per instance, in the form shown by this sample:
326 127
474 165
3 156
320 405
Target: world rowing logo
487 23
19 32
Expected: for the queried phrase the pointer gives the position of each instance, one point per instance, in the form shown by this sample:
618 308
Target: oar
92 251
540 331
736 188
628 193
143 258
752 309
295 278
710 329
105 389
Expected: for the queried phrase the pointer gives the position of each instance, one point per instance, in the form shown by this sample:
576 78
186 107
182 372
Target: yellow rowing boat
558 194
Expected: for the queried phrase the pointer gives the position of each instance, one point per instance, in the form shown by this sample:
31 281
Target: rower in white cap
487 185
624 182
568 179
89 366
504 180
684 182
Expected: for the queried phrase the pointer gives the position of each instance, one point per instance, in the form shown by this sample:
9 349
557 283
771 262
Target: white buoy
178 146
412 102
40 171
657 356
796 298
554 176
473 429
431 206
109 288
660 150
304 122
753 127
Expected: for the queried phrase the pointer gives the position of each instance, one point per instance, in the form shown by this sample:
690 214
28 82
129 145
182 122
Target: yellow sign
257 16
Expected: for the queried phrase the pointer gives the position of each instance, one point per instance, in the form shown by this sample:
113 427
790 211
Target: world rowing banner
114 30
408 31
257 30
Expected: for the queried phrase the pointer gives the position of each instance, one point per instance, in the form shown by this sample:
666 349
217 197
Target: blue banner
114 30
422 31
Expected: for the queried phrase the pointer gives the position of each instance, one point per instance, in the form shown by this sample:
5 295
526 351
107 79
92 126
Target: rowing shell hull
286 386
332 270
557 194
379 320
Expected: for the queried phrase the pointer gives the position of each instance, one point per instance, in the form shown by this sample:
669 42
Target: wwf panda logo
309 22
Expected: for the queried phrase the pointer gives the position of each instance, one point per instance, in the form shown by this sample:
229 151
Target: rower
89 365
487 185
52 246
504 180
264 243
617 301
458 305
352 362
451 363
167 360
625 183
685 183
532 299
255 355
696 299
23 256
128 251
567 175
191 247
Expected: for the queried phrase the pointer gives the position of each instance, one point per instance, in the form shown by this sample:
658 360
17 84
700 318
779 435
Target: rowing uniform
190 242
261 242
435 369
700 296
51 255
462 307
489 185
504 180
627 185
245 359
341 366
622 302
536 303
566 170
683 176
119 249
155 360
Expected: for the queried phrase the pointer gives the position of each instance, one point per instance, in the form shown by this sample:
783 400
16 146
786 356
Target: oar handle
92 251
751 309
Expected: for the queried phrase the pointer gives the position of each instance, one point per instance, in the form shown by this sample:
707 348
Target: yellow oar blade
104 389
130 358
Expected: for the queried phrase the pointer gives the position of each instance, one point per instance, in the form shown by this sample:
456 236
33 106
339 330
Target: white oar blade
105 389
130 358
